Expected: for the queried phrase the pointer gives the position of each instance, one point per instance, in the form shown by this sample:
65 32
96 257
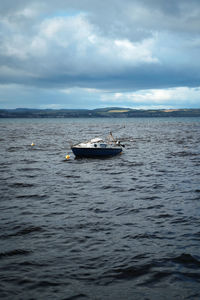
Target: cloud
71 46
181 97
85 46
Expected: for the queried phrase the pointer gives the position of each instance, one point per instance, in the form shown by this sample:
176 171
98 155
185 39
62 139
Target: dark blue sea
126 227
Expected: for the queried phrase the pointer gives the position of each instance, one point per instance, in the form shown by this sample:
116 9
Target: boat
97 147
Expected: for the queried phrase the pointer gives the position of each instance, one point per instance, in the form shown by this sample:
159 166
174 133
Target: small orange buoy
32 144
67 156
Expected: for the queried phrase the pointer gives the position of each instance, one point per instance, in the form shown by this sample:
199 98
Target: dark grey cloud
129 16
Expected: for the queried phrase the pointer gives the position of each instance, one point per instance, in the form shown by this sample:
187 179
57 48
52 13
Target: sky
142 54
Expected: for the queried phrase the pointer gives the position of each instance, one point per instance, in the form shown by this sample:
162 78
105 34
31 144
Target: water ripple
120 228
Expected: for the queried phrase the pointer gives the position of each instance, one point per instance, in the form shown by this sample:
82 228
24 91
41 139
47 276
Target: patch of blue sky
63 14
68 13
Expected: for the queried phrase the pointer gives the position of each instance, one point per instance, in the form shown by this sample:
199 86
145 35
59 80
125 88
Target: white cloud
156 98
92 91
81 42
28 12
38 47
135 52
66 91
77 90
179 94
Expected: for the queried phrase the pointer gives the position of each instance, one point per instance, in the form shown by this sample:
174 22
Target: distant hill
108 112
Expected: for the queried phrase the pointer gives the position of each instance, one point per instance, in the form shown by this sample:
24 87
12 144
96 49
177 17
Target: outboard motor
119 144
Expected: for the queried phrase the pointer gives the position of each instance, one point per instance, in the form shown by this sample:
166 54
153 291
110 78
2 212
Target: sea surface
126 227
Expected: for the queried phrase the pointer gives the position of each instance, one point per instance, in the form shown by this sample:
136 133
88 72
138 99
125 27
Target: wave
14 253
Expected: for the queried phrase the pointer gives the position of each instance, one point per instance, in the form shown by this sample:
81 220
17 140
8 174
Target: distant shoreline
109 112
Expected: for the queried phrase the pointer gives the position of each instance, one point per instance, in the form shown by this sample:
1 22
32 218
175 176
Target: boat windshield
96 140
